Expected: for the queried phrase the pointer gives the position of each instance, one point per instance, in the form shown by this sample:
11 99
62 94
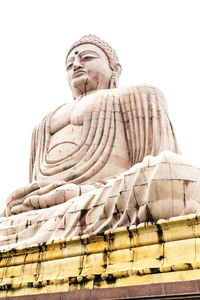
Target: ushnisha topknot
95 40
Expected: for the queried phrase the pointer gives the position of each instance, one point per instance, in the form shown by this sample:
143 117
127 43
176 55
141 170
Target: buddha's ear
118 69
115 77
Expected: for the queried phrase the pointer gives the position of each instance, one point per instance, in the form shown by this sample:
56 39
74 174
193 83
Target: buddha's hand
35 197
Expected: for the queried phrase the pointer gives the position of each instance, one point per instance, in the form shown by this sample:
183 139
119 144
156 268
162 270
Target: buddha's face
88 69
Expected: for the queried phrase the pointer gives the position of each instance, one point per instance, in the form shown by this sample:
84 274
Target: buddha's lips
78 73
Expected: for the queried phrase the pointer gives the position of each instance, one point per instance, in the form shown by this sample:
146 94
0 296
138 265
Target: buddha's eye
88 57
69 67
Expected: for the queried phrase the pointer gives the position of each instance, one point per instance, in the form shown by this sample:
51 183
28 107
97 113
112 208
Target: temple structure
111 202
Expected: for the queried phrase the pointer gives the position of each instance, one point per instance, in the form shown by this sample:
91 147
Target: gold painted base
167 251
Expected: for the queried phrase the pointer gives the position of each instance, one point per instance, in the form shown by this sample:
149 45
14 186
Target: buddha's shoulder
139 89
143 92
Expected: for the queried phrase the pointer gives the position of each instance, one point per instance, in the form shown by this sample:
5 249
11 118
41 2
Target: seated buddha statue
107 159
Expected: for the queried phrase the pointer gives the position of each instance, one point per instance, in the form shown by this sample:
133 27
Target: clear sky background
157 41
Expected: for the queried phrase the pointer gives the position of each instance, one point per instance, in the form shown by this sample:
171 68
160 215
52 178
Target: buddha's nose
77 63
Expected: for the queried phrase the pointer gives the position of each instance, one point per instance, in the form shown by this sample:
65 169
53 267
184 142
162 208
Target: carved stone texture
106 160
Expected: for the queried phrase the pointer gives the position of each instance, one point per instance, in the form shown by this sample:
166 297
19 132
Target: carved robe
158 184
136 115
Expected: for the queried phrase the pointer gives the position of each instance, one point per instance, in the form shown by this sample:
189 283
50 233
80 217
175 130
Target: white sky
157 41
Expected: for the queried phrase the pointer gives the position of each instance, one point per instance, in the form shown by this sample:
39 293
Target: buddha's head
91 65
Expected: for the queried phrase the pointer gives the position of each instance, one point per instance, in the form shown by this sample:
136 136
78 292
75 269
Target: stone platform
146 258
169 290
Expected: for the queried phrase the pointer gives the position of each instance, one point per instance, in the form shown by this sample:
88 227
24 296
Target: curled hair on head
109 51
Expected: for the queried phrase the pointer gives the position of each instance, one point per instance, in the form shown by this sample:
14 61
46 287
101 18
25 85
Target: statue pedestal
140 261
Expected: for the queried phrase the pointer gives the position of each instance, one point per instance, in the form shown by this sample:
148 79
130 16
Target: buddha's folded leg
165 186
158 187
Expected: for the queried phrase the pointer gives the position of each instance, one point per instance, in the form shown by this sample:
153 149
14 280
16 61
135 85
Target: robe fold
138 115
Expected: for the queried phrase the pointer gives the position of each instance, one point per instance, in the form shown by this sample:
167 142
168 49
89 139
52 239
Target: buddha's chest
66 126
64 116
71 114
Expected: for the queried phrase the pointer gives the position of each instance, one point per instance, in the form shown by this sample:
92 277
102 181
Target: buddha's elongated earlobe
113 82
115 77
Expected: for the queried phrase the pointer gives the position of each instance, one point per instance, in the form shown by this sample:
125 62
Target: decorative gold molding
166 251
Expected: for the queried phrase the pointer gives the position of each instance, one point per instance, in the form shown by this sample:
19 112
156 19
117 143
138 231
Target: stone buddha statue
108 159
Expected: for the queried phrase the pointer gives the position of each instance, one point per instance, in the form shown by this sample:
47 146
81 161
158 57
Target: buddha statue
108 159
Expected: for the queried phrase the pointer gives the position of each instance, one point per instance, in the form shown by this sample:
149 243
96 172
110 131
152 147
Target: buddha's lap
159 187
